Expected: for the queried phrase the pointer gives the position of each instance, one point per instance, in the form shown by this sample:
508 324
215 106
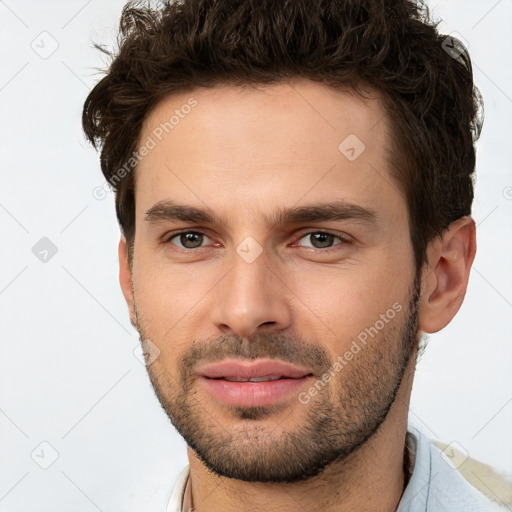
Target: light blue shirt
435 485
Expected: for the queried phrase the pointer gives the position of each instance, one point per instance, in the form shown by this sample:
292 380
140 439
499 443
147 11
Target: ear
445 277
125 279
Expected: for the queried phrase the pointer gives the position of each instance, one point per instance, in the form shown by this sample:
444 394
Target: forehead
301 107
246 146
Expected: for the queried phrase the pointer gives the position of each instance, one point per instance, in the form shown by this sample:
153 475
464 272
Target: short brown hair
424 80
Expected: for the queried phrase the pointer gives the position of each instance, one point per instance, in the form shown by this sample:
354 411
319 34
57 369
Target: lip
252 394
245 369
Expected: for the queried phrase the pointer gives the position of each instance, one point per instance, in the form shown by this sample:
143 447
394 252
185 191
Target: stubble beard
245 443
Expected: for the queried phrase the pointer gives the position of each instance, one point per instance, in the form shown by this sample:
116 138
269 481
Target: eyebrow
169 210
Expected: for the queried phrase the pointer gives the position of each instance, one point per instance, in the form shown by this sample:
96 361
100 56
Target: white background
68 373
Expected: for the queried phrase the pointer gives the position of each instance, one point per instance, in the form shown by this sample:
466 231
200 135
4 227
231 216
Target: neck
371 478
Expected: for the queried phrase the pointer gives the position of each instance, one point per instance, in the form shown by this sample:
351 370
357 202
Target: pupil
191 238
325 240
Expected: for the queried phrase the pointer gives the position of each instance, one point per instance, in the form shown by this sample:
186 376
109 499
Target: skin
244 154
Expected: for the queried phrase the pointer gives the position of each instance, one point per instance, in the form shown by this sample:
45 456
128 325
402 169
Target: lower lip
252 394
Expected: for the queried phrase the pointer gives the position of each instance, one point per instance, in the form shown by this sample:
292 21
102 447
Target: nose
251 296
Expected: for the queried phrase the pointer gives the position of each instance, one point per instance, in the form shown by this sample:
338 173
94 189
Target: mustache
290 349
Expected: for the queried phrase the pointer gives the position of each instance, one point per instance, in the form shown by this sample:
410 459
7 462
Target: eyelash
343 241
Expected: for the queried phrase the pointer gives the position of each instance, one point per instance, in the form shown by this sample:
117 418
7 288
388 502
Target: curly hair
424 80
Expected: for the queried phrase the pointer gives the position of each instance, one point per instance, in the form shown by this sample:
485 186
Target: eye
188 239
322 240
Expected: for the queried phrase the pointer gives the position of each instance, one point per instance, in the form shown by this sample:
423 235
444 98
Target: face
269 230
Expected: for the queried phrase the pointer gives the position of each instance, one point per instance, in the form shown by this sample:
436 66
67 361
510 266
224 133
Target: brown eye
188 239
321 240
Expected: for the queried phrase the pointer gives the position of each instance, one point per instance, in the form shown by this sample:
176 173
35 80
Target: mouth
253 383
265 378
246 370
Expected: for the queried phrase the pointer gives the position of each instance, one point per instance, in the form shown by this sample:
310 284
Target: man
294 186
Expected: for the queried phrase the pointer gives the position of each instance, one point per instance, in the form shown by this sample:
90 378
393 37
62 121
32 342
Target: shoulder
440 483
481 476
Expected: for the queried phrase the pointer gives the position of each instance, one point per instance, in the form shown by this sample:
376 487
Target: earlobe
445 279
125 278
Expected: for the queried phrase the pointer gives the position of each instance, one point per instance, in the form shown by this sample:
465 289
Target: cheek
343 302
162 312
168 296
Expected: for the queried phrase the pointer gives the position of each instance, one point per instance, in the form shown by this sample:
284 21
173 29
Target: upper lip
250 368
